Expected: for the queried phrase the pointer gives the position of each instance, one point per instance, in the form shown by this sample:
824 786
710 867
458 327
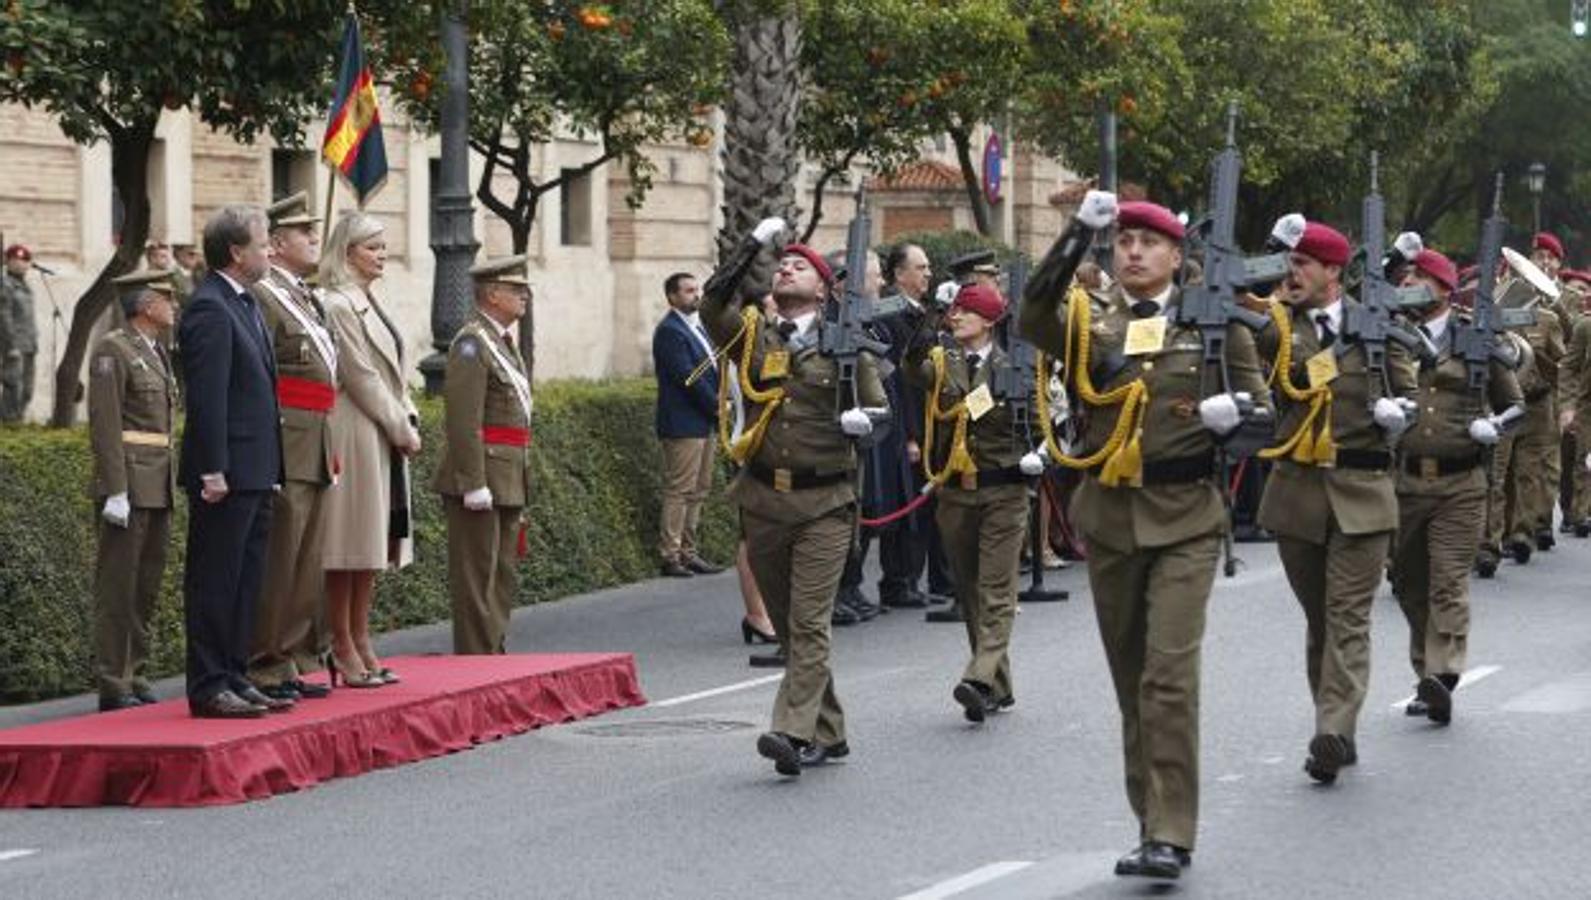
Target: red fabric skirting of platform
162 756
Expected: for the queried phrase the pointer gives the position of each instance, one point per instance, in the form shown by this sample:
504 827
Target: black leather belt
987 478
1369 460
786 480
1538 394
1182 470
1436 466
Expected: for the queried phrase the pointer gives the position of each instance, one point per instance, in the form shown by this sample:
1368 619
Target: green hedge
594 520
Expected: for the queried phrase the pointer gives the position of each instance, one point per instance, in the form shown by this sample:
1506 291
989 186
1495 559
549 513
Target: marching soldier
1330 498
796 491
290 637
484 475
1533 460
984 470
1150 508
131 399
1442 492
1574 386
1502 502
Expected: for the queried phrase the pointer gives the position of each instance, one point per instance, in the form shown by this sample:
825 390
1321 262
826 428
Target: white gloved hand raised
1388 414
1408 245
1098 209
117 510
1220 413
855 423
1289 229
478 500
768 229
1031 464
1484 431
946 293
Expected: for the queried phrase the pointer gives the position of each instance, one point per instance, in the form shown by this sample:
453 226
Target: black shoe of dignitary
1437 698
124 701
912 599
791 755
673 568
1328 753
145 696
283 691
951 613
226 705
1545 541
857 602
699 566
1155 859
252 695
1520 551
774 659
1582 528
307 691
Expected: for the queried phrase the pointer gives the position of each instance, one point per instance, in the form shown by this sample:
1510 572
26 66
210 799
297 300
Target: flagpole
331 192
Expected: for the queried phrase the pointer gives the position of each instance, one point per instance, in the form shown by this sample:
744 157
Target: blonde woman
374 429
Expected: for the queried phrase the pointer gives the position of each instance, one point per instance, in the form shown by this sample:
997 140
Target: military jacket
991 438
18 330
488 410
306 365
131 398
1154 515
1574 370
1447 407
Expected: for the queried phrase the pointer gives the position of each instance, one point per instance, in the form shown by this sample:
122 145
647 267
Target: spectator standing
687 415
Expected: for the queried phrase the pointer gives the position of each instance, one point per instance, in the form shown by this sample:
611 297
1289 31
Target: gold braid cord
746 446
960 461
1311 444
1122 453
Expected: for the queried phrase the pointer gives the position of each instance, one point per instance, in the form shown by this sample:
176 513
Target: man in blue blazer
231 464
687 415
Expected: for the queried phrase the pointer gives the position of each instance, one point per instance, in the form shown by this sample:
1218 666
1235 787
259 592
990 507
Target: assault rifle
1475 341
1371 323
844 339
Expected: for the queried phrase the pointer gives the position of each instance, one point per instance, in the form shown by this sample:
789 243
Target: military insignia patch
1184 407
469 348
104 365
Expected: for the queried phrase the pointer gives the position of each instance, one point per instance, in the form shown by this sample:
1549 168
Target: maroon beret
981 299
17 251
1437 266
1153 216
1568 275
1325 244
1549 242
814 257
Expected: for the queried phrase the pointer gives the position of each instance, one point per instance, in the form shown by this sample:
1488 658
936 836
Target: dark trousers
220 590
894 559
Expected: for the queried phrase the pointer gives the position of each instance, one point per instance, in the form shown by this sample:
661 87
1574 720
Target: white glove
768 229
1389 415
1484 431
1220 413
478 500
1098 209
1032 464
1289 229
946 293
855 423
117 509
1408 245
1588 462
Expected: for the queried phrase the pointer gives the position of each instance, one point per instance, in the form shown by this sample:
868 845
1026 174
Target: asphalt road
670 800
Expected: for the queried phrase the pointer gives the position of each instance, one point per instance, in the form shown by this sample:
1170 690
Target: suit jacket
682 412
480 394
304 351
131 389
233 425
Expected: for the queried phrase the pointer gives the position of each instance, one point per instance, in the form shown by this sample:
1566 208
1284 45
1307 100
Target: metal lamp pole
452 215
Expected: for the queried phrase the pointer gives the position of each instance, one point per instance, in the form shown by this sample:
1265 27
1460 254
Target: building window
292 171
574 202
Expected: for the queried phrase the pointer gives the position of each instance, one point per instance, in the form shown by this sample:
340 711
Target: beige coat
373 415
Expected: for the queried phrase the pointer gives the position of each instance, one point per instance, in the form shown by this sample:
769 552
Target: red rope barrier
898 514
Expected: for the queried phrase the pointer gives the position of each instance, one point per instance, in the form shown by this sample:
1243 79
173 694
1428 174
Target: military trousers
16 386
1151 603
290 635
1431 569
482 574
127 576
797 567
1501 505
1335 583
1571 478
687 479
1576 463
983 533
1535 468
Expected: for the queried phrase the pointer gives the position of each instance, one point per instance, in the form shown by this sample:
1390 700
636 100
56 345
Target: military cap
18 251
505 270
1549 242
155 244
976 261
1325 244
1152 216
291 210
1437 266
813 258
134 286
980 299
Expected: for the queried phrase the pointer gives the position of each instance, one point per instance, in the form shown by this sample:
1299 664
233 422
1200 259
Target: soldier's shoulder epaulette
1102 299
468 343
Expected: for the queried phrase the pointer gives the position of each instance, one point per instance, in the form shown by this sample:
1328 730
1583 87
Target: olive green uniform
19 345
797 503
1574 387
1441 498
1152 549
983 516
488 438
131 399
1535 462
290 636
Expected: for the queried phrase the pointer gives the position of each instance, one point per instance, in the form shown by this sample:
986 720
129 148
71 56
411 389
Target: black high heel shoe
752 635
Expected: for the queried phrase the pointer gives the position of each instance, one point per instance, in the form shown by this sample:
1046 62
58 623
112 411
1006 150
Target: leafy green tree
106 69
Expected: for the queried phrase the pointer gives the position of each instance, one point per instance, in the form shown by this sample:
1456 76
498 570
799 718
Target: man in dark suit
687 414
231 464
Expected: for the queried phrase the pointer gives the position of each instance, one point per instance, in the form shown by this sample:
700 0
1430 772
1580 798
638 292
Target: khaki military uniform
1501 499
1573 502
1441 498
983 516
798 505
1574 387
19 346
488 402
290 637
131 398
1535 458
1333 522
1152 549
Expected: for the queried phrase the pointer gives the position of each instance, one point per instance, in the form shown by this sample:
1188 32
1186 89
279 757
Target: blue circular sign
993 168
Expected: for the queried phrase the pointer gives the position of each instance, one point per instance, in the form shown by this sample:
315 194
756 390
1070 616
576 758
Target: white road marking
717 691
8 855
953 886
1470 677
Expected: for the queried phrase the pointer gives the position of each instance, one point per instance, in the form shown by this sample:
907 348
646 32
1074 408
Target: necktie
1327 336
508 338
787 329
973 360
1143 309
254 316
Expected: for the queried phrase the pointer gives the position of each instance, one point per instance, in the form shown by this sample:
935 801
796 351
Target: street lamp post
1536 180
452 215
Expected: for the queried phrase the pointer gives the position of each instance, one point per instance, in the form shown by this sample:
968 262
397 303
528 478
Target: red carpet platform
161 756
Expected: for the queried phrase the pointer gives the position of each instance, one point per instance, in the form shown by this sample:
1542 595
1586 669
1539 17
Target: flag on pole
353 144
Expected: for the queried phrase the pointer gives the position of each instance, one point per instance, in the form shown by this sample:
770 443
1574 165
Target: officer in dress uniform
984 469
484 475
1531 463
796 491
1442 492
1150 508
290 637
131 398
1330 500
